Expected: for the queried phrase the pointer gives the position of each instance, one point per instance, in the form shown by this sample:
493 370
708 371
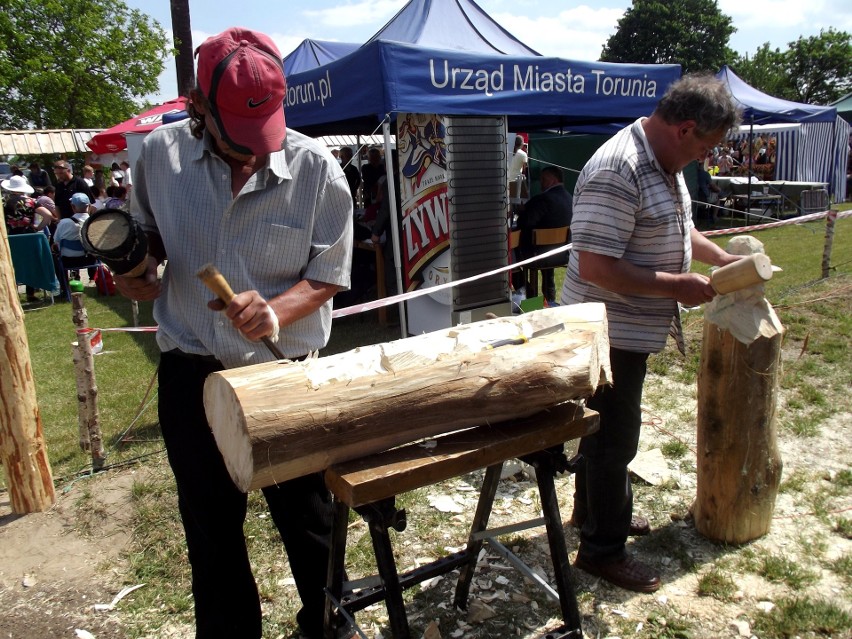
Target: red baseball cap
241 74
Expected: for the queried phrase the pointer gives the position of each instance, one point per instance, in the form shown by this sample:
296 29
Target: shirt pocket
281 249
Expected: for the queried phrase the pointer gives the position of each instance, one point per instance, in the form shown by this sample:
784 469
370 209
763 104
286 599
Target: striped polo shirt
627 207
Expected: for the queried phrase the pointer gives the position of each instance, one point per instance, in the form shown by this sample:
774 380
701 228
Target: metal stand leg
545 470
378 517
335 575
480 523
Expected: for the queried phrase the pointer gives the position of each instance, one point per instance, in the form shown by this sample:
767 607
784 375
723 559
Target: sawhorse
369 486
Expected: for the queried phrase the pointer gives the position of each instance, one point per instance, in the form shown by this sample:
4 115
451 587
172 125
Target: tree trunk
739 467
182 36
277 421
22 449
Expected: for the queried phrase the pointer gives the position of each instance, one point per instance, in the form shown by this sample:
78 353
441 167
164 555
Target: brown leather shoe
639 526
624 572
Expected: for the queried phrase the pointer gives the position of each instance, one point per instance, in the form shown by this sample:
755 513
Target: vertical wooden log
830 222
87 399
739 467
79 314
22 448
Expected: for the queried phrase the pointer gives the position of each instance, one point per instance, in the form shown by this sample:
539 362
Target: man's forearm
303 299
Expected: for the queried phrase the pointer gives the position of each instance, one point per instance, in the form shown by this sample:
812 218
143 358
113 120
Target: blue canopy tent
813 151
311 54
354 93
450 57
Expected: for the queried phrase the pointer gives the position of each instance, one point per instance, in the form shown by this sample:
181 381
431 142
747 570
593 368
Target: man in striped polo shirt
633 243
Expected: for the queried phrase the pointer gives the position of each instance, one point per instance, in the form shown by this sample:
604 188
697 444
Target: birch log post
88 417
22 449
739 467
281 420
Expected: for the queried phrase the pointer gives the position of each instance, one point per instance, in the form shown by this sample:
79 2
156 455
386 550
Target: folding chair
76 245
545 240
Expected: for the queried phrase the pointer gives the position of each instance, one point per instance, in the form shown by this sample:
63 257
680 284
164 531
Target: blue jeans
213 511
603 499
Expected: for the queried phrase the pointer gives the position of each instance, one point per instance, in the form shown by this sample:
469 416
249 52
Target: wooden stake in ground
22 449
281 420
739 467
830 223
87 398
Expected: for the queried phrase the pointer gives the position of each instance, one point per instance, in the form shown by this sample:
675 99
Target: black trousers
213 511
604 498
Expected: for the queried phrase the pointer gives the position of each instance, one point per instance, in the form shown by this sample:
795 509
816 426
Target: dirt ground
55 566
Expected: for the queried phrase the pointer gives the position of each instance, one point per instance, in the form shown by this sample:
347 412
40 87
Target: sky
556 28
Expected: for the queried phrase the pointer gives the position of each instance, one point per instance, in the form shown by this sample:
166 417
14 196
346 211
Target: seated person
550 209
707 194
69 229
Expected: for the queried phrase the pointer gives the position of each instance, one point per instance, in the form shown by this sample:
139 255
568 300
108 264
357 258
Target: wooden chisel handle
217 283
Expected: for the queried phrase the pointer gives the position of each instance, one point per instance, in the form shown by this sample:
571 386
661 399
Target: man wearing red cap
271 209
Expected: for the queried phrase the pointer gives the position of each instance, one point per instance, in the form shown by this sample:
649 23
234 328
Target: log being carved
739 467
281 420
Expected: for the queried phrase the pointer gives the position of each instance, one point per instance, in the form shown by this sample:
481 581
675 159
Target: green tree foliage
764 70
820 67
814 70
76 63
692 33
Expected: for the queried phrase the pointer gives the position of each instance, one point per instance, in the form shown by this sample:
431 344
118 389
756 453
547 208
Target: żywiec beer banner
422 157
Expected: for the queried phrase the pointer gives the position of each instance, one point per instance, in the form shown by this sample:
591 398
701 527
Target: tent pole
394 220
750 164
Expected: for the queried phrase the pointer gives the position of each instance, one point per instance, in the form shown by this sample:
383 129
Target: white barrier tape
403 297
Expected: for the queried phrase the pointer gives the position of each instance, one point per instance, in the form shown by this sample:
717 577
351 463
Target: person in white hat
19 208
19 212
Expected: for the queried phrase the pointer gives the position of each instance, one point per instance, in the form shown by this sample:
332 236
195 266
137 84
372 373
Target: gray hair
700 97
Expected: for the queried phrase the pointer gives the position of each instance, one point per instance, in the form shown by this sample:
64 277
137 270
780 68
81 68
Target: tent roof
45 142
533 91
450 24
311 54
844 107
766 109
112 140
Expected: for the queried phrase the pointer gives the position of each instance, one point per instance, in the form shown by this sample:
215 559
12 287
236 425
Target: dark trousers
213 511
603 498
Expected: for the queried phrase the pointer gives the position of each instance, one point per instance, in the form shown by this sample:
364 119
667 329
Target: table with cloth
33 261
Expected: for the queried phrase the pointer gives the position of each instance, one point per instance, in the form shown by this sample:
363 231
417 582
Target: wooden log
88 416
830 223
739 467
281 420
23 452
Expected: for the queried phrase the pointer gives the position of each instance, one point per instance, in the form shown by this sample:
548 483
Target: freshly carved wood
739 467
22 449
281 420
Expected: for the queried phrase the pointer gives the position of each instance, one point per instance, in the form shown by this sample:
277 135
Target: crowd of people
33 202
743 157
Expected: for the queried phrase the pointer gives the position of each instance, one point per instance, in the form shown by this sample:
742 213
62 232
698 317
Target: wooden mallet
217 283
751 270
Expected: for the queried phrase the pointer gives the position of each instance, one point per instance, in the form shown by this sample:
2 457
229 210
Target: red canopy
112 140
